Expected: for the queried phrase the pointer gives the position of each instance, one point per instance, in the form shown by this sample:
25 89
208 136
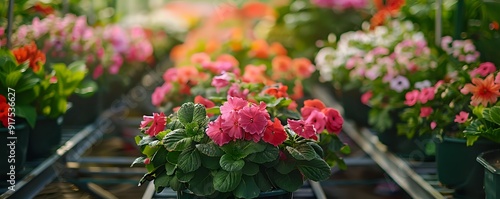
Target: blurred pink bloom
234 91
200 58
221 81
433 125
497 79
116 65
484 69
425 111
365 98
461 117
170 75
98 70
411 97
160 93
426 94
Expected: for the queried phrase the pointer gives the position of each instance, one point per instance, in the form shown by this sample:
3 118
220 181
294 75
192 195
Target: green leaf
183 176
170 168
177 140
302 152
159 157
493 115
185 113
316 169
162 180
214 110
175 184
86 88
200 115
250 169
192 129
270 154
317 148
345 149
210 149
263 181
28 113
173 157
241 149
175 124
189 160
285 167
139 160
210 162
289 182
230 163
226 181
202 183
146 140
247 188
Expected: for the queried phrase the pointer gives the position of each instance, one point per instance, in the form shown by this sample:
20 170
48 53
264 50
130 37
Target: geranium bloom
461 117
425 111
233 104
483 91
275 133
426 94
412 97
318 120
334 120
303 128
399 83
157 121
221 81
4 111
231 125
216 133
365 98
30 53
484 69
254 118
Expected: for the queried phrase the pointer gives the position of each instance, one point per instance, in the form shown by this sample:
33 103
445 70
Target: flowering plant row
243 149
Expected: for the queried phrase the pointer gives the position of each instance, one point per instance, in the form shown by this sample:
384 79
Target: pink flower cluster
341 4
71 37
316 118
153 125
463 50
243 120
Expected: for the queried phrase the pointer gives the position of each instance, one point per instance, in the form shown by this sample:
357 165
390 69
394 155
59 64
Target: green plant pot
17 153
414 149
354 109
491 163
457 168
44 138
274 194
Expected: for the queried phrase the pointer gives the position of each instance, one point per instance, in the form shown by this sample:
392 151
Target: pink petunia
231 126
318 120
425 111
170 75
334 120
411 97
302 128
233 104
157 124
221 81
461 117
426 94
484 69
216 133
253 119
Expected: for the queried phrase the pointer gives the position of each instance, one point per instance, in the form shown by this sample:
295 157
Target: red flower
30 53
425 111
275 133
203 101
156 124
334 120
4 111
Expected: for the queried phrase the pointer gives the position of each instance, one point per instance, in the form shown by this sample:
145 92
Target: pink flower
160 93
302 128
234 91
98 70
411 97
433 125
426 95
461 117
334 120
233 104
170 75
221 81
216 133
425 111
275 133
254 118
231 125
117 62
200 58
365 98
318 120
484 69
157 121
497 79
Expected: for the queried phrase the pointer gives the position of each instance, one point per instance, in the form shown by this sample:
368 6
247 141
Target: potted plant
18 115
57 83
246 148
468 87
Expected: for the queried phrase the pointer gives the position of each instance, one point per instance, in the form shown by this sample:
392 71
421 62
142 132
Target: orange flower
255 10
494 25
255 74
277 91
43 9
298 90
483 91
186 74
393 6
30 53
281 66
378 19
314 103
278 49
259 49
302 67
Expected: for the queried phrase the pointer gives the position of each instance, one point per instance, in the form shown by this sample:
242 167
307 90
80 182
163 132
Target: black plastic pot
491 163
457 168
45 138
13 149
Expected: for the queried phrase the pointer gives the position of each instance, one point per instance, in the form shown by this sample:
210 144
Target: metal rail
398 169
